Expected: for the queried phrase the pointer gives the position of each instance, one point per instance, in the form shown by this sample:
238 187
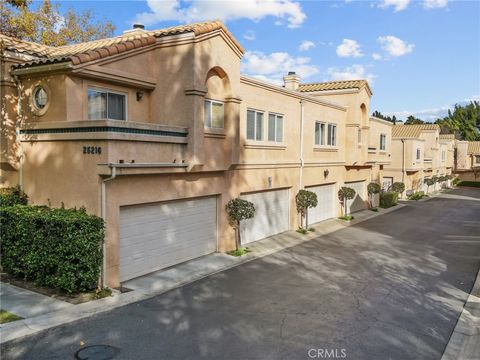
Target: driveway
389 288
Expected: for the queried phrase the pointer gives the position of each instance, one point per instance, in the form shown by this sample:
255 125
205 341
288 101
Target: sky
420 57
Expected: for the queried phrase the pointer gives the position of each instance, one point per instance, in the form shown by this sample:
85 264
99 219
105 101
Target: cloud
395 46
431 114
272 67
434 4
249 35
376 56
306 45
349 48
398 5
198 10
354 72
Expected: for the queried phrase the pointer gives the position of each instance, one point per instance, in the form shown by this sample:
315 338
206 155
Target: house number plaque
92 150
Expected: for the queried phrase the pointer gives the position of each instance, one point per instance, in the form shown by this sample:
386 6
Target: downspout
17 129
403 161
104 217
301 143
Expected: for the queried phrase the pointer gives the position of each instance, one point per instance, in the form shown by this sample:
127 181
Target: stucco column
195 152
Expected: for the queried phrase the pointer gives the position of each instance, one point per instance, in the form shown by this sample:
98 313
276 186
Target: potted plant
305 199
239 210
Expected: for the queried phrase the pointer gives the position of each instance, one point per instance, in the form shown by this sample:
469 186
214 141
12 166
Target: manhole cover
97 352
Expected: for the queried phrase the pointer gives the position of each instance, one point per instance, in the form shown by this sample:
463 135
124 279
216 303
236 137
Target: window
40 97
418 154
332 135
214 114
443 155
359 136
319 133
383 142
477 159
254 125
103 104
275 127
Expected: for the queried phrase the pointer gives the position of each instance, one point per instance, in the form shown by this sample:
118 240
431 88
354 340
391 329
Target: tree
464 121
344 194
305 199
46 25
412 120
379 115
429 182
239 210
373 188
398 187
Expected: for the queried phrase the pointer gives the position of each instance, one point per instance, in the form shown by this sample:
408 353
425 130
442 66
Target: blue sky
421 57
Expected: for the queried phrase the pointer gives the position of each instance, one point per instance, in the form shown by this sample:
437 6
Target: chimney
139 26
291 81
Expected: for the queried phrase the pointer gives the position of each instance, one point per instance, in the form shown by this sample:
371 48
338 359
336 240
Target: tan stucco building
156 131
420 152
468 160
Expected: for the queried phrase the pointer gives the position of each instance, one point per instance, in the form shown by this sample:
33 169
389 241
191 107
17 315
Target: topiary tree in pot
305 199
429 182
239 210
345 194
398 187
372 188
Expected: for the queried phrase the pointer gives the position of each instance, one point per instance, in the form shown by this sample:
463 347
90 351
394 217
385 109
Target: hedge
13 196
388 199
58 248
469 183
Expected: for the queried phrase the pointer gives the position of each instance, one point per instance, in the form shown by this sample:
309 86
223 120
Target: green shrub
455 181
469 183
13 196
388 199
416 195
398 187
58 248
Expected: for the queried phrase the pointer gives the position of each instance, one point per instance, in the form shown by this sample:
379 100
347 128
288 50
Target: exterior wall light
326 172
140 95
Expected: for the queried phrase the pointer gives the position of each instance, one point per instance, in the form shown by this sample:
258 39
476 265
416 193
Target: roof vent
139 26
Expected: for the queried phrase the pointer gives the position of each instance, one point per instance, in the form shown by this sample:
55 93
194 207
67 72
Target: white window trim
268 127
212 101
384 142
335 137
106 90
324 135
255 127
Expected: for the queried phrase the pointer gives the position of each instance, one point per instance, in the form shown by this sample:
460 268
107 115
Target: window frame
277 115
384 143
419 154
359 136
334 133
477 159
256 112
212 101
107 91
323 134
443 155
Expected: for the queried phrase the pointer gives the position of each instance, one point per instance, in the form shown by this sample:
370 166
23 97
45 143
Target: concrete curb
260 249
464 344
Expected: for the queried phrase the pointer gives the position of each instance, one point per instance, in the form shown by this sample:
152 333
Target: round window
40 97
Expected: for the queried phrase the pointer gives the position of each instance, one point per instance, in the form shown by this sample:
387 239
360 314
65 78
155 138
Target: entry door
156 236
326 203
271 215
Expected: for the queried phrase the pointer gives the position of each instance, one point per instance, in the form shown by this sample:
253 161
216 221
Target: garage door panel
157 236
358 202
326 203
271 215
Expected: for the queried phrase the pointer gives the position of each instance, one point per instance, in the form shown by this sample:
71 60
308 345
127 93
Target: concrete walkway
26 303
465 341
161 281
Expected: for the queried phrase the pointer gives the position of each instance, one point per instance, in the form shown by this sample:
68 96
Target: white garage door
156 236
271 215
358 202
326 203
